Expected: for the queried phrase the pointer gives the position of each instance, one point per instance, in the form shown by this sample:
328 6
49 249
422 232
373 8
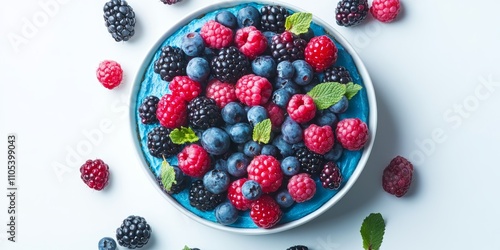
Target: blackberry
310 162
273 18
181 182
119 18
133 233
330 176
170 2
229 65
351 12
287 47
298 247
171 63
203 113
337 74
147 110
202 199
159 143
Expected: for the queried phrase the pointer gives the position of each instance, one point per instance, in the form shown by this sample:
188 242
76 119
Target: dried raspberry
266 170
253 90
276 114
352 133
265 212
172 111
397 176
385 10
109 74
301 187
216 35
194 160
301 108
236 197
250 41
95 173
330 176
223 93
185 88
320 53
319 139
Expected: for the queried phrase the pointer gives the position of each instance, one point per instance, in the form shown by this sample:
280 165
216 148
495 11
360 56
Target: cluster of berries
352 12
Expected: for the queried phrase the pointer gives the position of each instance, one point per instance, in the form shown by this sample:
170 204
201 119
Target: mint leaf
186 248
167 175
298 23
372 231
183 135
326 94
262 131
352 89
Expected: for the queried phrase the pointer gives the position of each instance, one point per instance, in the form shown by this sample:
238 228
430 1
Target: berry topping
223 93
352 133
301 187
397 176
235 195
250 41
172 62
185 88
202 199
287 47
337 74
265 212
172 111
147 110
159 143
216 35
266 170
194 160
330 176
109 74
229 65
320 53
319 139
95 173
310 162
301 108
253 90
273 18
203 113
134 232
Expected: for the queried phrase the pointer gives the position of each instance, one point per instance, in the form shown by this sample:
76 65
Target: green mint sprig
167 175
183 135
262 131
328 93
298 23
372 231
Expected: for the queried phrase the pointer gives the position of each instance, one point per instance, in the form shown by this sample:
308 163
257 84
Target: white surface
435 71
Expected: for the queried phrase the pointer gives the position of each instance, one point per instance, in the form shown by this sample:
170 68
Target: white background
436 76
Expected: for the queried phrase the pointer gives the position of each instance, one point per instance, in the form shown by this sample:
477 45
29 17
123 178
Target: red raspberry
276 114
301 108
95 173
109 74
216 35
236 197
172 111
194 161
301 187
352 133
265 170
319 139
223 93
320 53
397 176
185 87
385 10
250 41
253 90
265 212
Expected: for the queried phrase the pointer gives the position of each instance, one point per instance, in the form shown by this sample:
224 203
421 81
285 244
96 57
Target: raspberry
385 10
330 176
194 160
301 108
109 74
276 114
319 139
172 111
223 93
236 197
265 212
397 176
250 41
185 88
352 133
95 173
301 187
320 53
266 170
216 35
253 90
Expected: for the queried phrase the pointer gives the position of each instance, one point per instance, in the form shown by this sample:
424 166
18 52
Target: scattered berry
119 18
250 41
133 233
172 62
385 10
298 247
301 108
397 176
203 113
301 187
265 212
351 12
352 133
107 243
147 110
266 170
222 93
216 35
159 143
95 173
109 74
320 53
330 176
172 111
229 65
253 90
273 18
319 139
194 161
185 88
236 197
202 199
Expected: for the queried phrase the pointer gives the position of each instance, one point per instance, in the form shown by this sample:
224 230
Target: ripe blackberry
203 113
351 12
170 2
330 176
202 199
147 110
159 143
133 233
181 182
287 47
229 65
172 62
273 18
119 18
310 162
337 74
298 247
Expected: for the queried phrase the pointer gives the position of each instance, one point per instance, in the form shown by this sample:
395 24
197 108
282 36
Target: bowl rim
372 119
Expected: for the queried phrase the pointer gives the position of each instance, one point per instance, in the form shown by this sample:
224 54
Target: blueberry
227 19
284 199
284 147
192 44
215 141
198 69
233 113
290 165
325 117
335 153
248 16
298 146
107 243
226 213
291 131
315 81
269 36
264 66
256 114
216 181
252 149
269 149
240 132
237 164
308 35
251 190
221 164
303 72
281 97
285 70
341 106
209 54
287 84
